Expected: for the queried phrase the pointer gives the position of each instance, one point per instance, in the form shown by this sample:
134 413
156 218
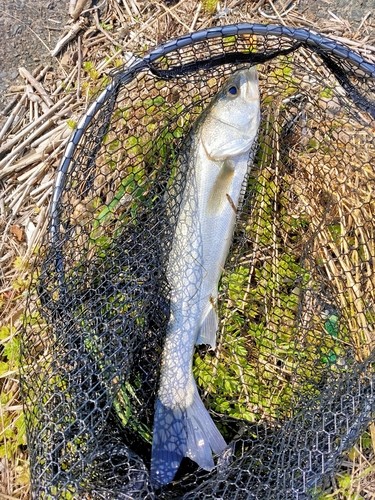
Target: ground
28 28
31 27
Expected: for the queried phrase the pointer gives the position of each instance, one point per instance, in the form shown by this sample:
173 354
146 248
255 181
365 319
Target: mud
28 28
352 11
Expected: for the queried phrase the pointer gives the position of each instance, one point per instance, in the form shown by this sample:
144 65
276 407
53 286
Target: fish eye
233 90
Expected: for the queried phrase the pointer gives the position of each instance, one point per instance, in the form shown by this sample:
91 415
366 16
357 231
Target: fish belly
217 229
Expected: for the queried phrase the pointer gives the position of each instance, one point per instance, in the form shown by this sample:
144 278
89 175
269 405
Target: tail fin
178 433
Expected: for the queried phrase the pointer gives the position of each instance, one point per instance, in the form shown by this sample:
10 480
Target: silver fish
221 142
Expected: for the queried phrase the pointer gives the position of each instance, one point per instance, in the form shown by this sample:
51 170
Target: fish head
230 124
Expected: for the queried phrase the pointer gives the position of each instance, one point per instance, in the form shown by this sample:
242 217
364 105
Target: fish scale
221 142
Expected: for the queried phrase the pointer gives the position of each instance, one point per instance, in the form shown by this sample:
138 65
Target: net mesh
290 382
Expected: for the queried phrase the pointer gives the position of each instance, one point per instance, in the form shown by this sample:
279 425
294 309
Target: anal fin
208 329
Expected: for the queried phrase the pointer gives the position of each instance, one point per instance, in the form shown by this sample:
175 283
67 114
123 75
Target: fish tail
178 433
169 443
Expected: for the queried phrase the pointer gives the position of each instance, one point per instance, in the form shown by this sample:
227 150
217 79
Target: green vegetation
276 344
12 423
209 6
95 81
259 346
123 394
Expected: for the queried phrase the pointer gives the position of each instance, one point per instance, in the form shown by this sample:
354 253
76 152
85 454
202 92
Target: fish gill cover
288 385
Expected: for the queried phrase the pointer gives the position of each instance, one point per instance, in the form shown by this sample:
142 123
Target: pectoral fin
208 329
222 186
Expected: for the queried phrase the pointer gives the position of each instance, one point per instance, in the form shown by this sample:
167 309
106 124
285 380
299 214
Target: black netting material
289 384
